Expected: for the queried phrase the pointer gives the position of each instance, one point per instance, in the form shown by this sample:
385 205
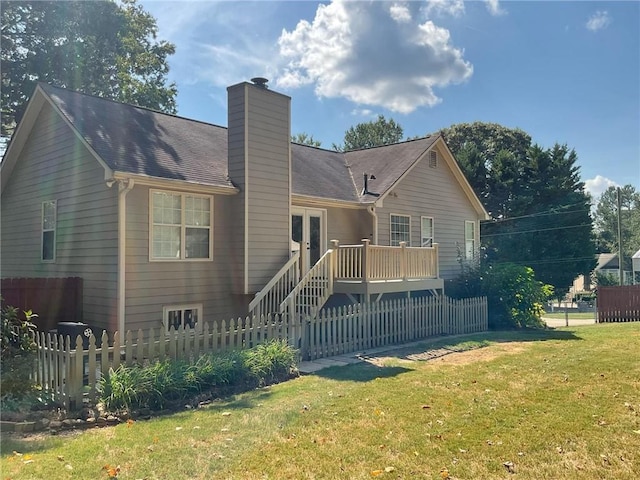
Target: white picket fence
71 373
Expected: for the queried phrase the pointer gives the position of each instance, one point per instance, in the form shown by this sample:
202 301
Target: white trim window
469 239
180 226
49 221
426 231
182 317
400 229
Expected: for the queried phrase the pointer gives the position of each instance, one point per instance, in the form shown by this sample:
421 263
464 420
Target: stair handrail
326 264
270 293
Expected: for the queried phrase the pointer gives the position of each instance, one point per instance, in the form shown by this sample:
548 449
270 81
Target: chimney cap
260 82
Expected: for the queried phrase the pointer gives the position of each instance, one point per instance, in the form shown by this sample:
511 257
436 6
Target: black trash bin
73 329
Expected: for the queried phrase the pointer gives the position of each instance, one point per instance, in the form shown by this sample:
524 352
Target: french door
308 232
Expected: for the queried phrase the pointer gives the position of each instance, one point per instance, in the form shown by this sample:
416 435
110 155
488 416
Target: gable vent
433 159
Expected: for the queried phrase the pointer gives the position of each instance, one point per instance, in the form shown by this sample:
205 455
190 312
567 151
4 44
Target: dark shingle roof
321 173
140 141
387 163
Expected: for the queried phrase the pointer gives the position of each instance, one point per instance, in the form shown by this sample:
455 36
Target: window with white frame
469 239
48 231
400 229
181 226
182 317
426 231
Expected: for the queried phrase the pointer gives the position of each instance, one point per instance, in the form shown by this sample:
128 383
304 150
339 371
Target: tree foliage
515 297
540 213
371 134
103 48
606 222
305 139
16 351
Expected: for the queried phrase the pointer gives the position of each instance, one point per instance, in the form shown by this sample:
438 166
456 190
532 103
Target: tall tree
606 222
304 138
498 158
540 213
103 48
371 134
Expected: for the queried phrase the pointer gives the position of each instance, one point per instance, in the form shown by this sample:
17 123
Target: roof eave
175 184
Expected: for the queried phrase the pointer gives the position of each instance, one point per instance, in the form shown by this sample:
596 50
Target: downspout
372 211
124 187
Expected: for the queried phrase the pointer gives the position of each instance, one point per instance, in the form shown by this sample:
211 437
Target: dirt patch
449 357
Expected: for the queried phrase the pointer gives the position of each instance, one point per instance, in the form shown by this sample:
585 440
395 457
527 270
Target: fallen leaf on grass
444 473
637 431
130 422
424 407
510 467
226 414
61 458
68 467
389 469
376 473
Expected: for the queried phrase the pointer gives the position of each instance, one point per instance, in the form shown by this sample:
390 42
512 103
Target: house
169 220
608 265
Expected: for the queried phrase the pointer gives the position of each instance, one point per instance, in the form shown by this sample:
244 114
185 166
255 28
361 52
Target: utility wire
539 214
488 235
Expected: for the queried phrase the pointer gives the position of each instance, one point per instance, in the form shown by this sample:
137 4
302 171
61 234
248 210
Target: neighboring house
170 220
635 265
607 265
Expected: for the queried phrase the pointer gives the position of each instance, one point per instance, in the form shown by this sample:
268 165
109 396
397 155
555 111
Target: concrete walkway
351 358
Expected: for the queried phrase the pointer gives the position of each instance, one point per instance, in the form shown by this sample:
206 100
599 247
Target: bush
515 298
17 351
168 381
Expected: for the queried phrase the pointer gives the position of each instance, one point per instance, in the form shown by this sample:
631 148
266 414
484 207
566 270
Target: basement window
182 317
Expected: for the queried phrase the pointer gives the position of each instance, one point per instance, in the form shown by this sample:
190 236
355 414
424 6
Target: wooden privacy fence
72 374
53 299
619 304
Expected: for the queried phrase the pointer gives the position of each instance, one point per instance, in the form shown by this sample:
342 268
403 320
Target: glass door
307 233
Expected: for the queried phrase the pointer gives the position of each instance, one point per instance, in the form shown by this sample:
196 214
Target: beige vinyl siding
349 226
151 285
259 165
431 192
54 165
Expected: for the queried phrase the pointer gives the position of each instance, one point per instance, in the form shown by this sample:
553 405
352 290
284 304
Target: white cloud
362 52
400 13
598 21
362 112
596 186
454 8
494 8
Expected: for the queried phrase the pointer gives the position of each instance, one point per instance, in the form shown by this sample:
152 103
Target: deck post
365 259
436 260
333 264
403 260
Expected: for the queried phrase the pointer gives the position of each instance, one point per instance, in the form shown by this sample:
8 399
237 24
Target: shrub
270 361
17 350
167 381
515 298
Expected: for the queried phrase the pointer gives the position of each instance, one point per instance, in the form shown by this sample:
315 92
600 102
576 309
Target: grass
572 315
559 403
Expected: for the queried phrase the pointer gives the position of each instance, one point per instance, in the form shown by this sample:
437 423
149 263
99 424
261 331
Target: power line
488 235
538 214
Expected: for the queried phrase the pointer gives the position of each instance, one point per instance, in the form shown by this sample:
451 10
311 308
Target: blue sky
566 72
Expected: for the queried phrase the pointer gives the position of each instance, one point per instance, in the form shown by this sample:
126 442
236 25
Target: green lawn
572 315
557 404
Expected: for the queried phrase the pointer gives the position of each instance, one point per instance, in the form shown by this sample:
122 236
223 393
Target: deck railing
368 262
